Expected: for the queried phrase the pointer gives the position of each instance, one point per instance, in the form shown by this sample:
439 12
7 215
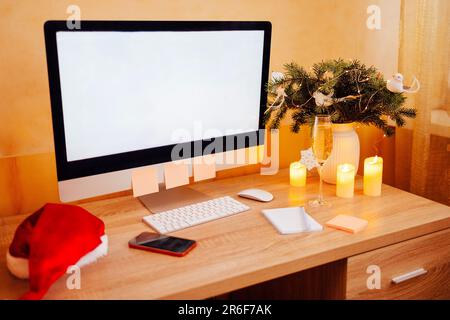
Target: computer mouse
256 194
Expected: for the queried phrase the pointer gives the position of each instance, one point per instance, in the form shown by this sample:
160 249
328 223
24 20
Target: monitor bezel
67 170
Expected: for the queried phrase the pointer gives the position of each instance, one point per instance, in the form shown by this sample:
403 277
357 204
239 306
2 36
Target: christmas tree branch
346 90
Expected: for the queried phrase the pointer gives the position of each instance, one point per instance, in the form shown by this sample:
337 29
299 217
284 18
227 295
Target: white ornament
277 76
396 84
308 159
281 96
323 100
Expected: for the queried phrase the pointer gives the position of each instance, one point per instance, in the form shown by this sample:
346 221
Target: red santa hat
52 239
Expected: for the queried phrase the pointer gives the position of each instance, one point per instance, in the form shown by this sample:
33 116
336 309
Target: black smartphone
160 243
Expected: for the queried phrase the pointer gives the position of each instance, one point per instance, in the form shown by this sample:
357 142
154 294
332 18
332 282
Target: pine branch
278 117
408 112
339 79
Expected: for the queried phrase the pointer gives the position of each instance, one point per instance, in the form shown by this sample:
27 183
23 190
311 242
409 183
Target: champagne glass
322 143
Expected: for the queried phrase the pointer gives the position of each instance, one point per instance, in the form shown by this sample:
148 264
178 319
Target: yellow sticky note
347 223
176 174
204 167
144 181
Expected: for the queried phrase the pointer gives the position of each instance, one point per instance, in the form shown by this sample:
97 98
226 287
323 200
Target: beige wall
303 31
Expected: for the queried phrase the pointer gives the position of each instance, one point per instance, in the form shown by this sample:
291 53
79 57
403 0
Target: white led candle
297 174
345 180
373 176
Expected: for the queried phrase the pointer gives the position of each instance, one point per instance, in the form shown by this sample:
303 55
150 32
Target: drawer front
415 269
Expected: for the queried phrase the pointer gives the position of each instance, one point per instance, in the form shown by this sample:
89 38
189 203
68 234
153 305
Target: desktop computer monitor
125 94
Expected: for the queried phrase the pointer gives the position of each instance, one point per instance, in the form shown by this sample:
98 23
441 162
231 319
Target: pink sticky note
144 181
347 223
176 174
204 167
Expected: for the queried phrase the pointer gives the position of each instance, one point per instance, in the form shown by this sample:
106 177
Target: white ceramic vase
345 150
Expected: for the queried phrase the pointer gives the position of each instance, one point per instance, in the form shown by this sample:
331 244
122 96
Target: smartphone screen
163 242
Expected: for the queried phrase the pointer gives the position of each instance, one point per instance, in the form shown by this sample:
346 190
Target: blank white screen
125 91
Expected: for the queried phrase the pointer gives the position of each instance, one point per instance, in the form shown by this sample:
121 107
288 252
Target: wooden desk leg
323 282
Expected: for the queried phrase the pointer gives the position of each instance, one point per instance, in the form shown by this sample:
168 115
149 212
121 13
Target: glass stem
320 184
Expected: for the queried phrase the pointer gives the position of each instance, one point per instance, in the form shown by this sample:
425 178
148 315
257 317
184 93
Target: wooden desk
242 250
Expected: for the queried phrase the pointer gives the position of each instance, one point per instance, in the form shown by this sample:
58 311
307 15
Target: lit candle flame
297 165
345 168
374 160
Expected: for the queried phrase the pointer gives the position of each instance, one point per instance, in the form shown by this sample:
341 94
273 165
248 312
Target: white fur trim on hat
19 266
100 251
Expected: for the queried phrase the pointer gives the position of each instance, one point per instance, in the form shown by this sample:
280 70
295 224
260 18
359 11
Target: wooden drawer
430 252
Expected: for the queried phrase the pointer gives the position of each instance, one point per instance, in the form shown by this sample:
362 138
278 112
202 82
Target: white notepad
291 220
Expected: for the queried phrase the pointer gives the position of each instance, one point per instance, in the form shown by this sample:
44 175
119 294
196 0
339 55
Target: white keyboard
194 214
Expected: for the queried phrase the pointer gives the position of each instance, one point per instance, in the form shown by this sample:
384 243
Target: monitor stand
172 198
